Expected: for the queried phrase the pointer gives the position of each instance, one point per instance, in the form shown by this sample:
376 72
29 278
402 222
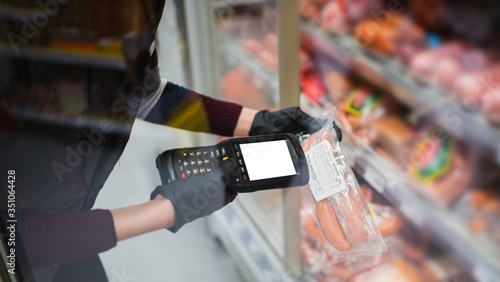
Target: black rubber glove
196 196
290 120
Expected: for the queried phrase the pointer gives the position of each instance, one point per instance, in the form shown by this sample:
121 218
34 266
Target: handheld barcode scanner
253 163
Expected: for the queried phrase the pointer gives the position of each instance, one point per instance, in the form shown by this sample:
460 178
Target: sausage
313 230
330 225
352 210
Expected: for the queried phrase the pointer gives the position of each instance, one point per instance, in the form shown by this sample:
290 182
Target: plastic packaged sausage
335 199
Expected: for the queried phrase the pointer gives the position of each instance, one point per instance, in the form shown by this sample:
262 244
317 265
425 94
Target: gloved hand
290 120
196 196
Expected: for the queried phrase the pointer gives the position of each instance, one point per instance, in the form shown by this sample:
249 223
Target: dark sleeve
57 238
183 108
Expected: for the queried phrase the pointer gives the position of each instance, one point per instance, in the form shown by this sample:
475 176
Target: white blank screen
267 160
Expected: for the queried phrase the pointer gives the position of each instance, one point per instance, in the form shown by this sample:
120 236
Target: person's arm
140 219
58 238
182 108
244 122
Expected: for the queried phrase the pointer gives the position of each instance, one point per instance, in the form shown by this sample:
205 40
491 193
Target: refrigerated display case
415 137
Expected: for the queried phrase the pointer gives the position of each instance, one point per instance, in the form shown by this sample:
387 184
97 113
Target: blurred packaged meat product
313 87
394 136
394 35
396 270
449 68
442 165
358 10
425 62
491 107
333 16
483 205
479 90
310 9
337 84
386 218
359 110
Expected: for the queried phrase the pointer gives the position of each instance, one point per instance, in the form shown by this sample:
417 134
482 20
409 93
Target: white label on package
325 177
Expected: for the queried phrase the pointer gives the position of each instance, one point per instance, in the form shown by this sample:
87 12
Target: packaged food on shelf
394 137
396 270
425 62
358 10
479 90
337 84
310 9
482 206
359 110
449 67
395 35
314 89
336 200
442 165
333 16
386 218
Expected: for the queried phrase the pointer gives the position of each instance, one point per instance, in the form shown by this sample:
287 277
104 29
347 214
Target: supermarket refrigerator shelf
423 210
62 56
449 229
424 97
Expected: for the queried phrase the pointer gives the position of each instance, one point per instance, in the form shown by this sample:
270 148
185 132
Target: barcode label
325 176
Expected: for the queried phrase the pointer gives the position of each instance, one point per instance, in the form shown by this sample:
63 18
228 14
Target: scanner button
225 158
183 175
200 162
195 171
